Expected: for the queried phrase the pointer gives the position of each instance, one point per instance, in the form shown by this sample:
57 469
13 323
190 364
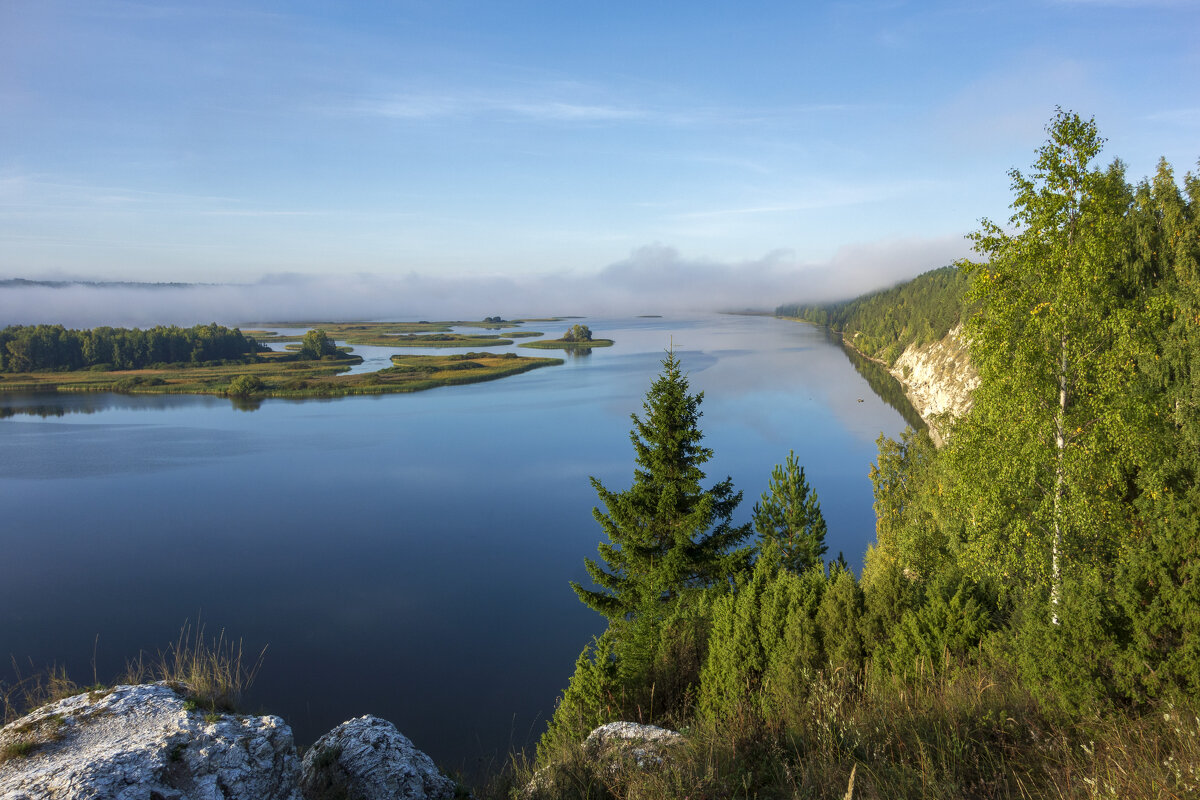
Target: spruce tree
790 514
666 534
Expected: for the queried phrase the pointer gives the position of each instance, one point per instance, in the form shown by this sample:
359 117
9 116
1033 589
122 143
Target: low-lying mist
652 280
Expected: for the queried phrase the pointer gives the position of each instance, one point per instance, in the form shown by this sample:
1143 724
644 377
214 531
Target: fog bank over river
652 280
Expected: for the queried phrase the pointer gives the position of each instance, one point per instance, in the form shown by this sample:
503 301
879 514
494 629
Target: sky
703 153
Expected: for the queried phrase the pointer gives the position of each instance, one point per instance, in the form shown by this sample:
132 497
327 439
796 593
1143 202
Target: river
402 555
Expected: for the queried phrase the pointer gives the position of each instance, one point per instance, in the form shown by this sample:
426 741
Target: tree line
881 324
43 348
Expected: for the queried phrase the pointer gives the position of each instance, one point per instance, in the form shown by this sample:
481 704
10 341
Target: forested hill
883 323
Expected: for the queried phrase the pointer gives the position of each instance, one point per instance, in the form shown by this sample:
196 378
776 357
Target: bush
245 386
955 616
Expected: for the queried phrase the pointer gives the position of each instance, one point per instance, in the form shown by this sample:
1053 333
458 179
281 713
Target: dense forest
1027 623
883 323
44 348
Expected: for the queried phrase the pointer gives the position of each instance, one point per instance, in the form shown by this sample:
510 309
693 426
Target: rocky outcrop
368 758
938 379
148 743
622 742
144 743
608 752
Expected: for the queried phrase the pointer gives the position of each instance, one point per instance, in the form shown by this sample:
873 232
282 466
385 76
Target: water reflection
246 403
44 410
885 385
58 404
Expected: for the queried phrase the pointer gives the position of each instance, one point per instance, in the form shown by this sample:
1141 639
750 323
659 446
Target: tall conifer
666 533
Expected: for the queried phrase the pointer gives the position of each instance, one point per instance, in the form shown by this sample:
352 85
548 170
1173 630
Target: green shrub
245 386
840 618
955 616
593 697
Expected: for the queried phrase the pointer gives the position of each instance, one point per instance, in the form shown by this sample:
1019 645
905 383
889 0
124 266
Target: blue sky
828 145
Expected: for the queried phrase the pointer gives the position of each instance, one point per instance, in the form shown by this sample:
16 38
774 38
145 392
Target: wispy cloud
436 106
819 197
33 193
1189 117
572 102
35 190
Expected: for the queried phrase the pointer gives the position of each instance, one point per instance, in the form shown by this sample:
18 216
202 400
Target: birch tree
1043 454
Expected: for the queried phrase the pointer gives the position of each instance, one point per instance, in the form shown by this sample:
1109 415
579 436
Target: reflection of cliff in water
884 384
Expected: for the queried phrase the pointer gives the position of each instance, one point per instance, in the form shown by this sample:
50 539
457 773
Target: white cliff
938 379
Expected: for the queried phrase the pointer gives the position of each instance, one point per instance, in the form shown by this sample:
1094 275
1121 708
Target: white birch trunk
1060 443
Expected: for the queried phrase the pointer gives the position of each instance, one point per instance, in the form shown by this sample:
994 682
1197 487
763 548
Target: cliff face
938 379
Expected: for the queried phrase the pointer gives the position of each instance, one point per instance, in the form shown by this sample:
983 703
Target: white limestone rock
608 751
141 743
368 759
938 379
645 745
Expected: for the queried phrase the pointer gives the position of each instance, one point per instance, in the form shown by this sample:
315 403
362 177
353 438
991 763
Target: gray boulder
368 759
142 743
617 742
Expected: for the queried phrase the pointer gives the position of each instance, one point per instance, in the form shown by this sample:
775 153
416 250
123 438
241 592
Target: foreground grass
281 375
965 733
960 732
209 672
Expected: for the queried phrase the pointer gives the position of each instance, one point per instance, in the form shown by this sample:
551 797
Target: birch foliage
1045 453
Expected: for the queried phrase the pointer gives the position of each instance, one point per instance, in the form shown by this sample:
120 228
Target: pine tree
666 533
790 514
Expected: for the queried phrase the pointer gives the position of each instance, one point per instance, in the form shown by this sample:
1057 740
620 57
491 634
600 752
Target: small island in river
577 337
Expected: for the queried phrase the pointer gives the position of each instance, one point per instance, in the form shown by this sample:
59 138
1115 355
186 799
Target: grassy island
282 375
440 340
563 344
577 338
404 334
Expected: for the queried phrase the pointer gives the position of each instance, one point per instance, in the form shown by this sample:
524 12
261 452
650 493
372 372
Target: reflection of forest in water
882 383
44 410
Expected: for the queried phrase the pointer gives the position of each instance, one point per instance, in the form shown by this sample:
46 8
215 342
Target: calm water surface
402 555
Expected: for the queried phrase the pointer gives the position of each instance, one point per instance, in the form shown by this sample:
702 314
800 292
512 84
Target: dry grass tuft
34 690
213 672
